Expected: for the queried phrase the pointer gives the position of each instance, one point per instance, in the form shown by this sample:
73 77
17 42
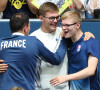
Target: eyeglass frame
68 25
53 18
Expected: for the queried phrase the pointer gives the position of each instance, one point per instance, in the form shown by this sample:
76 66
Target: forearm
79 75
78 4
94 4
87 72
3 4
57 57
32 8
3 67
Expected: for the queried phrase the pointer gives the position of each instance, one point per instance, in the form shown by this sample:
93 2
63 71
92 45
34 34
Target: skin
71 31
78 4
94 3
32 8
3 4
47 25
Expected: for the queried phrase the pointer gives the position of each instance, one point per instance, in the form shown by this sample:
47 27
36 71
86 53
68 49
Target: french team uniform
21 53
78 53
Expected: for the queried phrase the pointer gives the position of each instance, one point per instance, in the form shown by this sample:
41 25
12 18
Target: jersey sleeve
93 47
54 58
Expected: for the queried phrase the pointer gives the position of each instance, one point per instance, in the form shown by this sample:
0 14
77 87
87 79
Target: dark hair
18 21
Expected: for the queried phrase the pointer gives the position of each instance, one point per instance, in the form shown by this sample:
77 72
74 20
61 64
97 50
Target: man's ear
78 24
41 18
25 29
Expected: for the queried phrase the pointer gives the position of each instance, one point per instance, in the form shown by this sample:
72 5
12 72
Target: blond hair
17 88
48 6
72 15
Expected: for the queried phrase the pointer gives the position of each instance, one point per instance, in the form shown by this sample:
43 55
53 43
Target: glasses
67 25
53 18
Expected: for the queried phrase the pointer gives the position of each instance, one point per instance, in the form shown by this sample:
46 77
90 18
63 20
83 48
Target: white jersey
48 71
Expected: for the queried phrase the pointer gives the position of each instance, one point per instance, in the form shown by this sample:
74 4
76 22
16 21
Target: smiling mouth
65 32
53 25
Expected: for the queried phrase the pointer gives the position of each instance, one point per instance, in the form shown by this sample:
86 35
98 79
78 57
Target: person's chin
66 36
53 26
53 29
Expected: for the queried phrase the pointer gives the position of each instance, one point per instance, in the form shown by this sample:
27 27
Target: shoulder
58 30
93 47
92 41
33 39
30 38
34 32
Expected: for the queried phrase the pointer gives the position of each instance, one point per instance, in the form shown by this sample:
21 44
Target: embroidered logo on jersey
17 3
56 39
79 48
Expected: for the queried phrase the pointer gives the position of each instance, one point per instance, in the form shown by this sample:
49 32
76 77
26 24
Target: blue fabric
21 53
78 53
87 15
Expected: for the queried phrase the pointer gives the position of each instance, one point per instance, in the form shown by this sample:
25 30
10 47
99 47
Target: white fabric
18 33
48 71
90 6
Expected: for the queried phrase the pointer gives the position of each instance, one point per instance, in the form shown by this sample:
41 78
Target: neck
21 32
77 36
44 29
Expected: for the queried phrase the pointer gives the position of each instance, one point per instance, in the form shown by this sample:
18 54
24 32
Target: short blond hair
72 15
47 6
17 88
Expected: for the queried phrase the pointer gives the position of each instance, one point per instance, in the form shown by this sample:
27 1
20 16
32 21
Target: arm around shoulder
54 58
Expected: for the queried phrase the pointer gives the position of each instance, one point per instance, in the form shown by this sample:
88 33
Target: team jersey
21 53
49 71
78 53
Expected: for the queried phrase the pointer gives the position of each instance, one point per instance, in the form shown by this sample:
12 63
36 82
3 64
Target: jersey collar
18 33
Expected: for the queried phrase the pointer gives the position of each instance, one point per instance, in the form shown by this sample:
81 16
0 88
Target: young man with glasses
82 56
50 35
